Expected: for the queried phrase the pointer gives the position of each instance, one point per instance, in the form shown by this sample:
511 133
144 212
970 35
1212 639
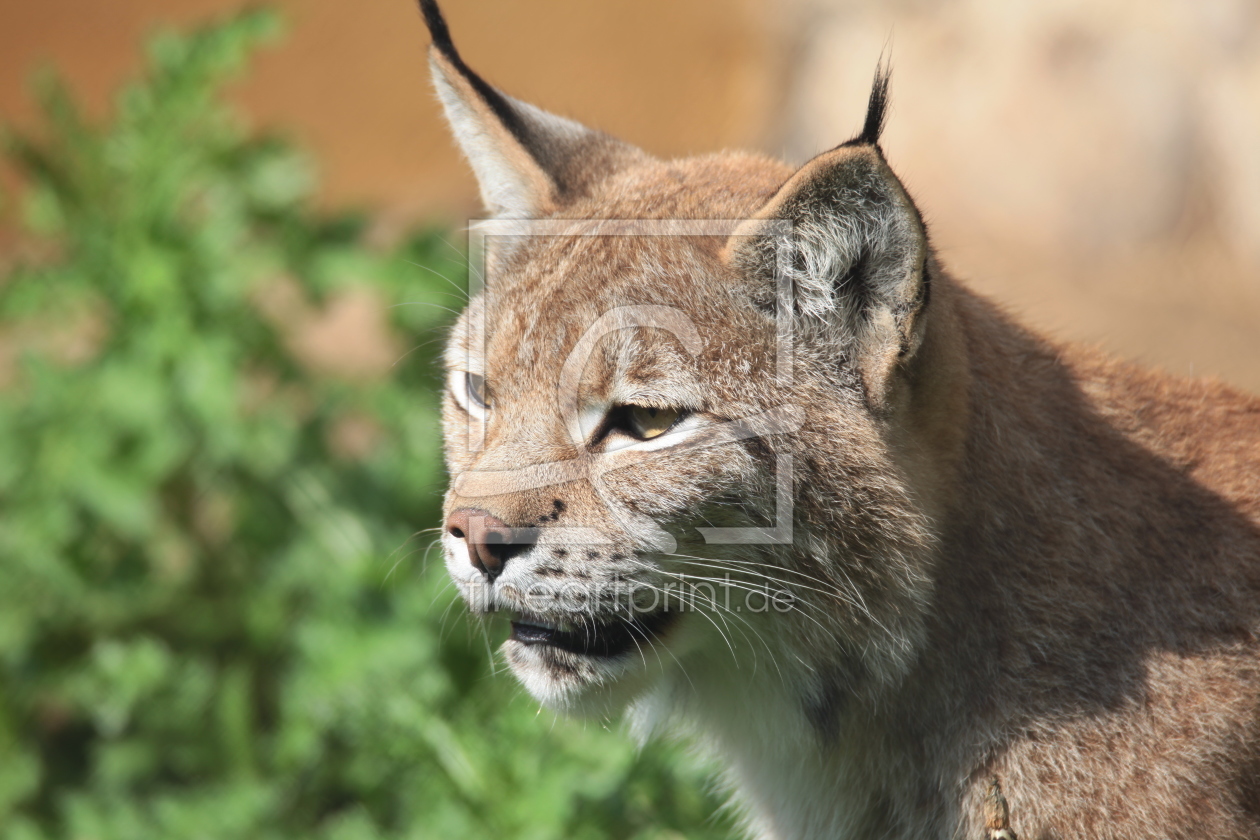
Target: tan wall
351 80
1095 165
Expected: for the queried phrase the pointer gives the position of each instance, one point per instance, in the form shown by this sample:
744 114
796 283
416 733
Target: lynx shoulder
741 459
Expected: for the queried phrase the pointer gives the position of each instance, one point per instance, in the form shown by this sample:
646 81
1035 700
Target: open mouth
597 636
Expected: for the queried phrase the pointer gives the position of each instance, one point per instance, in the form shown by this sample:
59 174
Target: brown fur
1022 567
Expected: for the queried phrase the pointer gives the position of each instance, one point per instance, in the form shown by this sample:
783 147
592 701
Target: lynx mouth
593 636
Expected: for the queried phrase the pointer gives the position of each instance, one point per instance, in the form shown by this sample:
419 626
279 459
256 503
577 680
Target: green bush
219 617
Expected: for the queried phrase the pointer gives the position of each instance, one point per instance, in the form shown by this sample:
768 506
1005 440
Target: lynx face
663 353
591 426
734 453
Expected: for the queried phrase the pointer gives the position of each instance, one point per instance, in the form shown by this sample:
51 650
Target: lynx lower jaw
607 636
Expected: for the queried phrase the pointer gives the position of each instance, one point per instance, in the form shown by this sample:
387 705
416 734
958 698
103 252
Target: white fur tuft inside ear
857 261
508 188
528 162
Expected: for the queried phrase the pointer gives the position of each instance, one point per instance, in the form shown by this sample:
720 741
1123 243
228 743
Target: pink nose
491 541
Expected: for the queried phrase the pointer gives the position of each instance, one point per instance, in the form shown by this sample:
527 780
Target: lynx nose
491 541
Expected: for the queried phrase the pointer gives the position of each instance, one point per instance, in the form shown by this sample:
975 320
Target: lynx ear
856 255
527 161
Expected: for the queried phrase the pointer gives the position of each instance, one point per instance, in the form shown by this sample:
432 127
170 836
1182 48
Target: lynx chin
742 461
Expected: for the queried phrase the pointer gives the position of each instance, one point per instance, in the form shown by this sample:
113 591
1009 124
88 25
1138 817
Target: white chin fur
583 686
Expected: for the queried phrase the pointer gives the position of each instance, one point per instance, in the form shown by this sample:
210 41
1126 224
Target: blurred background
226 260
1093 165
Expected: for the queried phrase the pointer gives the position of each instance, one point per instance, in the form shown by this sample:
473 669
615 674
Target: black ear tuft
438 30
441 36
876 108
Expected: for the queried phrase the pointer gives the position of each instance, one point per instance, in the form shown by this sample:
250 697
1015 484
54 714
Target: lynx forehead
741 459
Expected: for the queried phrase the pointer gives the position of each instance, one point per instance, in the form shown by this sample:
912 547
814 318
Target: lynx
741 461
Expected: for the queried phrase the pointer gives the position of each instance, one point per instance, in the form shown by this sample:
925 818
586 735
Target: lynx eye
475 385
470 392
646 422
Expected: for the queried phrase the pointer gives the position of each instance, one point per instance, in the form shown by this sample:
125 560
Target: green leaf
217 620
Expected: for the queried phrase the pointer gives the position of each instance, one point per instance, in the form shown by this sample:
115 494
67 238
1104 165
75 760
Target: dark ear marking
527 162
853 283
925 285
438 30
859 248
497 102
876 108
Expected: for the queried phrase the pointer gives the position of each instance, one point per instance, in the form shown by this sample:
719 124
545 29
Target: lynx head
686 417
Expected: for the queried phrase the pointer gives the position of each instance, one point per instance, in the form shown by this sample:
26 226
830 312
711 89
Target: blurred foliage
215 620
